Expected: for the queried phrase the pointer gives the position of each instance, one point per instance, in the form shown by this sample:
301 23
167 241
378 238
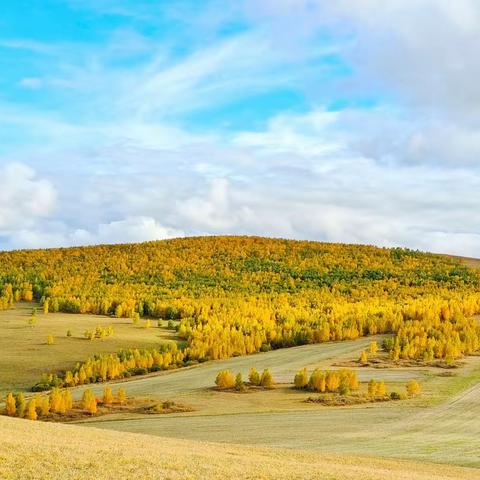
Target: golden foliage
239 295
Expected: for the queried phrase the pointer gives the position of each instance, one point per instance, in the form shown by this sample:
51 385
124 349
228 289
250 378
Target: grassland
25 354
442 426
50 451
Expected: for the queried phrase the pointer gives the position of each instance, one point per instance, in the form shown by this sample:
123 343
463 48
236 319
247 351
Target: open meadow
25 355
443 425
43 451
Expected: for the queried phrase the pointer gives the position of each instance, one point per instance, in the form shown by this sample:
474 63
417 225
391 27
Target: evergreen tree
20 401
239 385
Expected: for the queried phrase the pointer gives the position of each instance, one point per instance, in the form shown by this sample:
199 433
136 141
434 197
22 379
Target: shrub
344 389
41 387
388 344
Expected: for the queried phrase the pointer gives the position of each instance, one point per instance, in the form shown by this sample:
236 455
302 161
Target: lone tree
413 388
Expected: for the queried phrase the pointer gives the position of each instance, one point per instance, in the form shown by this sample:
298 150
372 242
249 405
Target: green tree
254 376
239 385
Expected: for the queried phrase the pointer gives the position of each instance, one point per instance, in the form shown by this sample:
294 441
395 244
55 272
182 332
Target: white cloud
124 167
24 198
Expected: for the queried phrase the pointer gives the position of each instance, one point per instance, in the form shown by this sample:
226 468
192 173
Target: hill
41 451
229 296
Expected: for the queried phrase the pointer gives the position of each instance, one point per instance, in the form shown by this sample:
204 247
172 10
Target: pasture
25 355
75 453
441 426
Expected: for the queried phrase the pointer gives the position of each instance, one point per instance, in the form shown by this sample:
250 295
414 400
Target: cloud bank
338 121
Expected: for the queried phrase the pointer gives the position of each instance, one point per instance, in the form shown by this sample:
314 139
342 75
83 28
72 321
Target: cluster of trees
58 402
344 381
239 295
226 380
99 332
341 381
126 363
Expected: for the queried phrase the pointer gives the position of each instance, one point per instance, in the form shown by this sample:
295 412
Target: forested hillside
239 295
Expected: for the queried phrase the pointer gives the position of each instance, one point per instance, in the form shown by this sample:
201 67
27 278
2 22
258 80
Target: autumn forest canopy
238 295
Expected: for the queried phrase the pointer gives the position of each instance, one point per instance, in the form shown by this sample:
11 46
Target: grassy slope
72 452
443 426
25 355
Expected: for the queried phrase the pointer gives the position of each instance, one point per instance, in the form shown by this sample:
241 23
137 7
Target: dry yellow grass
35 450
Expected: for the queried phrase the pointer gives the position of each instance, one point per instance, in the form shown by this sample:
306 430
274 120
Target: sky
354 121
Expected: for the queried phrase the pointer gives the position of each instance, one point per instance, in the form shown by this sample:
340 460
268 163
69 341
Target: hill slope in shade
31 450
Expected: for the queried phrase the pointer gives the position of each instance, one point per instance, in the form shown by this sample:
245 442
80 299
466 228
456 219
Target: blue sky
340 121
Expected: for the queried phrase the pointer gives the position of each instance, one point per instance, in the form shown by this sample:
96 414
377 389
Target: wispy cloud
120 144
